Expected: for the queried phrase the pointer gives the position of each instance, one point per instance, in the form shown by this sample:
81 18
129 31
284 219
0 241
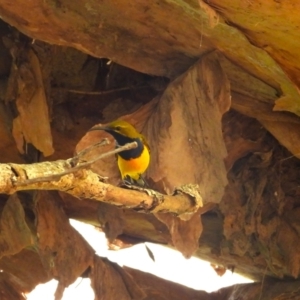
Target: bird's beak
99 127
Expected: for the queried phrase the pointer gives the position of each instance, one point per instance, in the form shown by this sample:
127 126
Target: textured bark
154 46
86 184
278 44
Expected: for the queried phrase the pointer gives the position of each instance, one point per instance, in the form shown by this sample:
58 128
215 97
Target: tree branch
83 183
71 164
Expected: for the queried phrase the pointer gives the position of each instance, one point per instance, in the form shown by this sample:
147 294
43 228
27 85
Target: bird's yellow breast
133 162
134 167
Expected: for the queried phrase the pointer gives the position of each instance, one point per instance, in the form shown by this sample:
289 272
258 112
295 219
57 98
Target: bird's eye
118 128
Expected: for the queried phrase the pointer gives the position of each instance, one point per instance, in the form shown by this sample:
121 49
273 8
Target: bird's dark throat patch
123 140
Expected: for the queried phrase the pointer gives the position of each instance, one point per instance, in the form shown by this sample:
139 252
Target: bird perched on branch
134 162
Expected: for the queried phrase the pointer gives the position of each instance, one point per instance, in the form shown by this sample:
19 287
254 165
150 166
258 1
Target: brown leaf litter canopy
213 85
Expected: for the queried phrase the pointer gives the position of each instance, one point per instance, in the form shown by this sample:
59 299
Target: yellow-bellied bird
134 162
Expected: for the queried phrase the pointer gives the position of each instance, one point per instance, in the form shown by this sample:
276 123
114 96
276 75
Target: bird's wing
145 142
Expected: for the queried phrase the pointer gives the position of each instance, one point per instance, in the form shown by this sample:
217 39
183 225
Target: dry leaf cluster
216 92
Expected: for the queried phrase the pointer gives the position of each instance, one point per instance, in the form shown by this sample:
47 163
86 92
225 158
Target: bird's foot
140 183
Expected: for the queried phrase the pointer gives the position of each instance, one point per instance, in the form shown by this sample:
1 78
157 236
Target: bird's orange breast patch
134 167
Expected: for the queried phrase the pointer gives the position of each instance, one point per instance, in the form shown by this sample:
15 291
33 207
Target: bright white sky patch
168 264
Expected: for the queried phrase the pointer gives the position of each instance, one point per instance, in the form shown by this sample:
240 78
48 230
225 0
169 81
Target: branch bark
87 184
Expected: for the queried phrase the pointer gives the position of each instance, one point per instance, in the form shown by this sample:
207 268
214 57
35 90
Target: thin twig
103 155
78 167
74 160
262 283
289 157
103 92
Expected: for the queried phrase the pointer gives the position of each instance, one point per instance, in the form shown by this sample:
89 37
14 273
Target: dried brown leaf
8 290
60 245
266 290
288 242
17 133
158 288
33 119
107 282
122 242
59 291
136 292
150 253
242 135
220 270
185 234
287 103
288 134
29 271
112 220
15 233
185 132
8 146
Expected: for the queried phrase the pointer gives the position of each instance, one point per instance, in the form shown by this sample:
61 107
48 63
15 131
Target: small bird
132 163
